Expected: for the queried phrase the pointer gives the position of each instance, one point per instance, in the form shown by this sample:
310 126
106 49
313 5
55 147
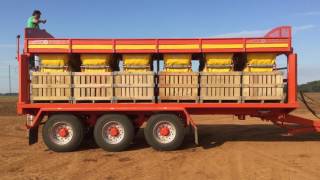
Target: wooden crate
262 86
50 86
178 86
93 87
220 87
134 86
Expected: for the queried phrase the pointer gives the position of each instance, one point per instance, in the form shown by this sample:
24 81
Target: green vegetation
313 86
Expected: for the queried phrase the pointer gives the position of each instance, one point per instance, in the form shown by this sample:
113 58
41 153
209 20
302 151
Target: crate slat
262 86
134 86
220 86
178 86
92 86
50 86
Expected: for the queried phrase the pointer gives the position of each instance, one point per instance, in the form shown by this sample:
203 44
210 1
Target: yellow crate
177 60
52 70
54 59
260 59
97 70
137 69
218 58
131 61
95 59
257 69
217 70
136 59
178 70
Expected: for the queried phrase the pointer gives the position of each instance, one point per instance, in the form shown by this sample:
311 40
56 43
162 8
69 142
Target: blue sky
165 18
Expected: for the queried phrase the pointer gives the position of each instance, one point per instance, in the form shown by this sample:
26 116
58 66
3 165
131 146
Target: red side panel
268 45
92 46
223 45
135 45
179 45
48 46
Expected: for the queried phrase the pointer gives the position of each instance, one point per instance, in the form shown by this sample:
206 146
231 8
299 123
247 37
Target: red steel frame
275 112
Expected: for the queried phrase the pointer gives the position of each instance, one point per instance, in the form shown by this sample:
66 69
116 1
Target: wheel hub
114 131
164 131
63 132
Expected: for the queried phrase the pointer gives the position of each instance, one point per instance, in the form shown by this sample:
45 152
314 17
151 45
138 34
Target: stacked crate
95 81
220 87
262 87
218 83
50 86
261 83
53 82
136 83
177 83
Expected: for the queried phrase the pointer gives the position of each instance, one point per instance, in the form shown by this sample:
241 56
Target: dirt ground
229 149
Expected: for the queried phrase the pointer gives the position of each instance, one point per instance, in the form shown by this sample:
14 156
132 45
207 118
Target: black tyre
63 132
164 132
113 132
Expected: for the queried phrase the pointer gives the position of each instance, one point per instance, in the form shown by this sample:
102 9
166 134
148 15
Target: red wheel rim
61 133
113 132
164 132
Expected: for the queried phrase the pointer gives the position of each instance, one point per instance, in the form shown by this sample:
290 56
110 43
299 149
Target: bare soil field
229 149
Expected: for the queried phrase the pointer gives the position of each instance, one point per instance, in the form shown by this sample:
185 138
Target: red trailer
115 124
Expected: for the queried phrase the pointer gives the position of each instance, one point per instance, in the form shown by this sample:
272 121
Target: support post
292 79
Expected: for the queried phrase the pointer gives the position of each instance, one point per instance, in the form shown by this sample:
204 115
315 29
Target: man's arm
37 21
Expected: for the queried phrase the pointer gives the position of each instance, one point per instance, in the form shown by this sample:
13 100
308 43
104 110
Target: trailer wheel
113 132
164 132
63 132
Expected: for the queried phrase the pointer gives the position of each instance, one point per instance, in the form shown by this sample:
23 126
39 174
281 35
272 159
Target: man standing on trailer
33 23
34 20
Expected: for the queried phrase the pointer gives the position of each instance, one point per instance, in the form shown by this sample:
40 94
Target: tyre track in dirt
278 162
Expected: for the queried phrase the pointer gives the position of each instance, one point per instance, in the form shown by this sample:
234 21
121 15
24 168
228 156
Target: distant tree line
313 86
8 94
